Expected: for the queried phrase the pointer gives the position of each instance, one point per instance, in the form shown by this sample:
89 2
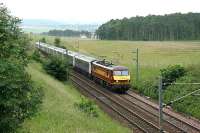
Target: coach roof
84 57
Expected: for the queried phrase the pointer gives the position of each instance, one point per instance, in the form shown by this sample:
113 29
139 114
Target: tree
57 41
69 33
57 67
43 40
19 97
175 26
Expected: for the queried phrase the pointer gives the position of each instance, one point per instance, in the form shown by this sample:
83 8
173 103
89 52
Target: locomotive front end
121 78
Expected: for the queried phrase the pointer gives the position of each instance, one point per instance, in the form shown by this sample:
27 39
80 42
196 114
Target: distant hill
42 25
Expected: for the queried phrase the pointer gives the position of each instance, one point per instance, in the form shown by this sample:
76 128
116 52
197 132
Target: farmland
153 56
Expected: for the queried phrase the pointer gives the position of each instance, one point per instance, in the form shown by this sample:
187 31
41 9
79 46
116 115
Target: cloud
96 10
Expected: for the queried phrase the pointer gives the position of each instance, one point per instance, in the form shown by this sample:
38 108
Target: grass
153 56
58 113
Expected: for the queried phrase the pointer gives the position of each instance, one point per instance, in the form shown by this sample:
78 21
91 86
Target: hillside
58 114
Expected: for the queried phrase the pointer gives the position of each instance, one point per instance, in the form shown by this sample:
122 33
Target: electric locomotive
116 78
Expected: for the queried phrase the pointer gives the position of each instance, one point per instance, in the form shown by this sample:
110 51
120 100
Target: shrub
57 41
171 73
43 40
36 56
148 88
57 67
87 106
190 104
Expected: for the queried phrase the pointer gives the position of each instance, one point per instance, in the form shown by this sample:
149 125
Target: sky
96 11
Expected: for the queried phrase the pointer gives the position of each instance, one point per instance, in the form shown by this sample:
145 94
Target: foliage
57 67
171 73
12 41
19 97
148 88
189 105
43 40
67 33
36 56
168 27
87 106
57 41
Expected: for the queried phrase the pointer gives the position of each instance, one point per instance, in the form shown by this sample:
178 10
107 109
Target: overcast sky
90 11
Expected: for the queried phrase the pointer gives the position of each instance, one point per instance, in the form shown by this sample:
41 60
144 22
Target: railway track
137 111
138 122
170 117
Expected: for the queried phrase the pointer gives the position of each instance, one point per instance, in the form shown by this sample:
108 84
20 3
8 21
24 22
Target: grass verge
58 113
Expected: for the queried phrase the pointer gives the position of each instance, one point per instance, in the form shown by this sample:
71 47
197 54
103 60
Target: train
113 77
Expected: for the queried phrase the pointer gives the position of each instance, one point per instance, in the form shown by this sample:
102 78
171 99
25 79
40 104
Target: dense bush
57 67
148 88
57 41
43 40
36 56
19 97
190 104
171 73
87 106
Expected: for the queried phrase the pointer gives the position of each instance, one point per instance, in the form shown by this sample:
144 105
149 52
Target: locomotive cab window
120 73
125 73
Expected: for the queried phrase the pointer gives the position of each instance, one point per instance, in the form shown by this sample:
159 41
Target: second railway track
152 108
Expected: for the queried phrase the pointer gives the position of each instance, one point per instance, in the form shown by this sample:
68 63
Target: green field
153 56
58 114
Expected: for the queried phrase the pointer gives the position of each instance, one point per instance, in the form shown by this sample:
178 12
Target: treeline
19 96
67 33
168 27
